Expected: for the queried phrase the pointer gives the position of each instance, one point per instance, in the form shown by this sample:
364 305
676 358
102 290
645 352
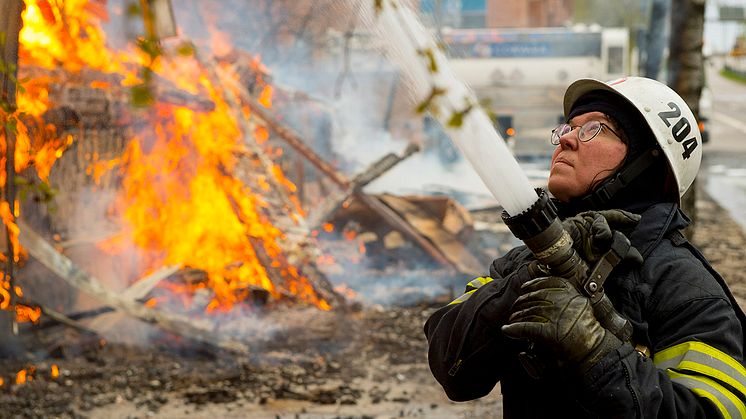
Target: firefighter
627 152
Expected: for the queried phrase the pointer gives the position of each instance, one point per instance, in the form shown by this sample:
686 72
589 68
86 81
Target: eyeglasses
588 131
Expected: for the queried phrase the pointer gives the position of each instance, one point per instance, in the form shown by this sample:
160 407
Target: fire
180 203
13 230
55 371
24 375
27 314
51 37
265 98
65 34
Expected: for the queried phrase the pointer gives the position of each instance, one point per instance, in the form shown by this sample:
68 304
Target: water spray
529 213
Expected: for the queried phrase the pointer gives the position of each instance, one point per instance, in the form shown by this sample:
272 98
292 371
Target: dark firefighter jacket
681 311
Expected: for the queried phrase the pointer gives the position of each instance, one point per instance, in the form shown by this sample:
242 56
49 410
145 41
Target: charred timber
58 263
292 139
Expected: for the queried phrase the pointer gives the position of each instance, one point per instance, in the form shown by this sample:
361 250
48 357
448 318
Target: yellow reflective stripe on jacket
472 286
475 283
463 298
727 403
707 371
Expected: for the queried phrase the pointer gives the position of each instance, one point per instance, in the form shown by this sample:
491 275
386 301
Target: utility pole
656 37
686 71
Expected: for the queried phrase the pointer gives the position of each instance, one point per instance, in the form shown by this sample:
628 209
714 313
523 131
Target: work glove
592 232
559 322
511 262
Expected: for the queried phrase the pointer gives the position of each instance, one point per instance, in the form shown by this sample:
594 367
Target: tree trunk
686 71
10 26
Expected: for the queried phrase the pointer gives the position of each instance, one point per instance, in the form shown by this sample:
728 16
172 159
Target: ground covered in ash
366 363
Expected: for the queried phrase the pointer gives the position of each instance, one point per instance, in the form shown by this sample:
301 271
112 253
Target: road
723 172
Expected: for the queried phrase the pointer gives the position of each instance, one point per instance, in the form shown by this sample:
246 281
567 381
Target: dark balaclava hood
640 181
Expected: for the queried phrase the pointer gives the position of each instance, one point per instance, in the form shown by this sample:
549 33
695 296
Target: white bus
522 73
537 56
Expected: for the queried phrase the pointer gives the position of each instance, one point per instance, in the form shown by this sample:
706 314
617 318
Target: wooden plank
61 265
429 226
134 292
285 133
403 226
294 140
327 208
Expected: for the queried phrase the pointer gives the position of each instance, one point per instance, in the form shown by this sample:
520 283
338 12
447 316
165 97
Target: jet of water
438 91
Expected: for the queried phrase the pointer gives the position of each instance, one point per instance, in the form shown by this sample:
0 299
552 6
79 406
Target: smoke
351 105
343 98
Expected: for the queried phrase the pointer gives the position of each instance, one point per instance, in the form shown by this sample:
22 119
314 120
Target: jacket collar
656 223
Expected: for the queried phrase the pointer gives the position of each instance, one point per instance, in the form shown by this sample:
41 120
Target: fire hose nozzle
544 234
541 230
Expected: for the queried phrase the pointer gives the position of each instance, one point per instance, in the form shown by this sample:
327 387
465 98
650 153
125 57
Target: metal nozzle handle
611 320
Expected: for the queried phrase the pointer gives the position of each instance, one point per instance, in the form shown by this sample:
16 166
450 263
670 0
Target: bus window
615 62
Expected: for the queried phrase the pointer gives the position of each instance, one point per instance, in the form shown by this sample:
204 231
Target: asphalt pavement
723 171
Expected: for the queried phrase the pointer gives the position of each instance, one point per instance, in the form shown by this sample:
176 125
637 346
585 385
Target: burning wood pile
180 213
173 236
157 187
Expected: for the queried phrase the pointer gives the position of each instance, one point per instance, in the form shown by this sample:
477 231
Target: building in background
496 13
528 13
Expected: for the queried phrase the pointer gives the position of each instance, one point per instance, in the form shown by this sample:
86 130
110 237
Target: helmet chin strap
603 194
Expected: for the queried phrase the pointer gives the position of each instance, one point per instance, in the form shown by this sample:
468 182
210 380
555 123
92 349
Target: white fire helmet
669 118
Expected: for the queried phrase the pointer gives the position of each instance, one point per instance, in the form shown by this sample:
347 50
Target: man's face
576 165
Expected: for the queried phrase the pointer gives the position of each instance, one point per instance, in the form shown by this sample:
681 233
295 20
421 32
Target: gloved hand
511 262
591 231
558 320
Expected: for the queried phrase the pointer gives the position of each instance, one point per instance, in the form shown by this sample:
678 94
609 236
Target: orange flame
65 34
54 35
180 203
55 371
21 376
265 97
27 314
12 227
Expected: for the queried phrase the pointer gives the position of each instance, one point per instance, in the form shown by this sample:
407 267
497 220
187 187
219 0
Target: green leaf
428 53
147 74
11 124
185 49
142 96
150 46
457 118
427 103
378 5
21 181
133 9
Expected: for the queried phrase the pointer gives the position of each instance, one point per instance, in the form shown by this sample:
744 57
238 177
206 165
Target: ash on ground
366 363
